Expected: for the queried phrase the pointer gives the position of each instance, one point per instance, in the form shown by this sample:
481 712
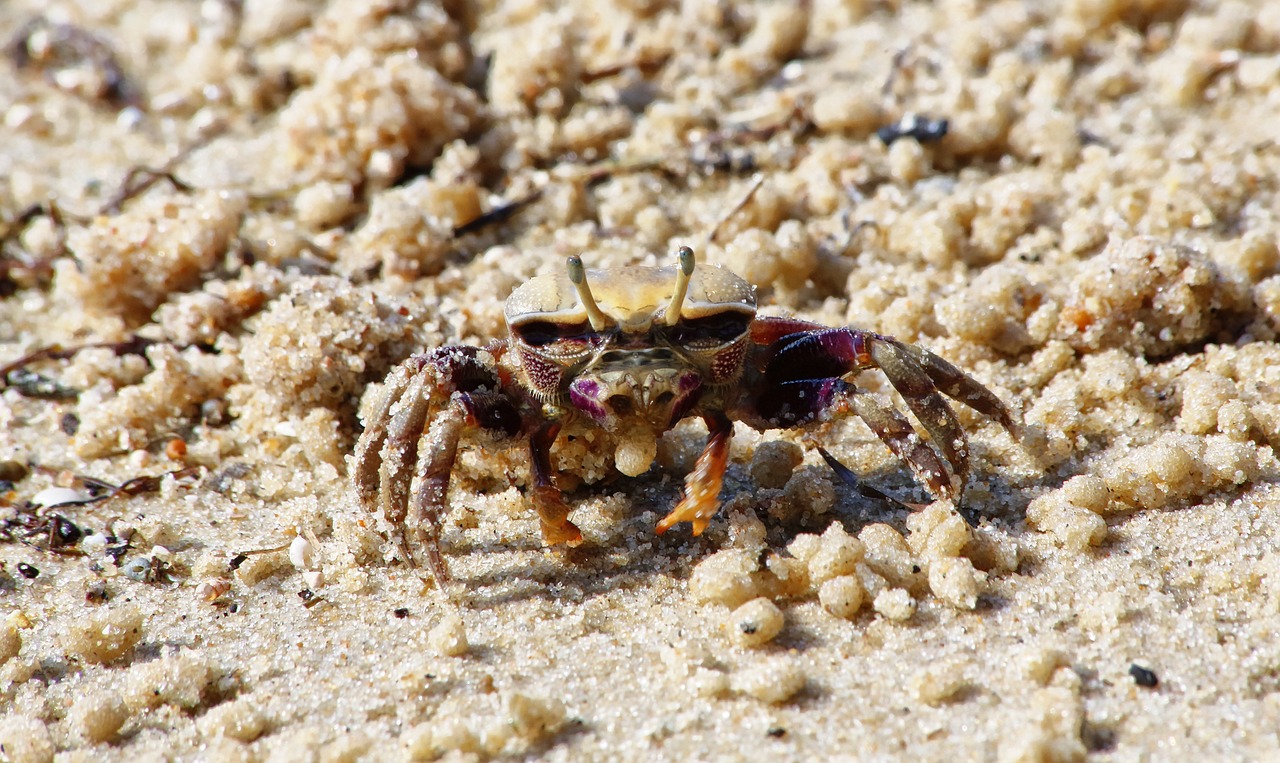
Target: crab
633 351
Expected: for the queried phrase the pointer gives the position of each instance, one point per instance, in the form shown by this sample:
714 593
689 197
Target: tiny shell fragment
58 496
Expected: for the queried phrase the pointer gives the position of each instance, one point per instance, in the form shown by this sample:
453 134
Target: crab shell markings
633 357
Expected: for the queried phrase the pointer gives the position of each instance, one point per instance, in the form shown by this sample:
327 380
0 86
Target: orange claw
702 486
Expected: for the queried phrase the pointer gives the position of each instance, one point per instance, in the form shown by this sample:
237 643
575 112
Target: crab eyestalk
578 276
687 261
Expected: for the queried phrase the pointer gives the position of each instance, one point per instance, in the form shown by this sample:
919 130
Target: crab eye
543 333
712 329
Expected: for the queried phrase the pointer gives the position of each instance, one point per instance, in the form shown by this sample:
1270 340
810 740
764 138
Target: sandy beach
224 223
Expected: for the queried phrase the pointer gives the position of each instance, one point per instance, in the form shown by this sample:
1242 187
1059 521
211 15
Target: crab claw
959 385
702 487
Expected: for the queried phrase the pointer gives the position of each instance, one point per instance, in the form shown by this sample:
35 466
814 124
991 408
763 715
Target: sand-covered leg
422 522
414 430
366 467
398 456
546 497
493 412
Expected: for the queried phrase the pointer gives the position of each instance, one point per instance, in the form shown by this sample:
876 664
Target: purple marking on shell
585 386
585 396
690 386
689 381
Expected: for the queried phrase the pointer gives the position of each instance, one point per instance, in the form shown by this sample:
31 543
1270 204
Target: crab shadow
600 566
629 555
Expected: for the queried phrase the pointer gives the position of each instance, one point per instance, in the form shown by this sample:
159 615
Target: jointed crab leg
371 465
429 503
702 487
923 398
801 402
428 401
546 497
895 431
959 385
918 375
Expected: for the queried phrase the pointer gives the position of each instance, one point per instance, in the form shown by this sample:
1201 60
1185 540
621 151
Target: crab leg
547 498
427 402
801 402
917 374
374 458
429 503
492 411
448 368
365 462
702 487
895 431
921 395
959 385
828 353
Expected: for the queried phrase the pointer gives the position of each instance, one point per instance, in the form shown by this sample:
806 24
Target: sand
242 216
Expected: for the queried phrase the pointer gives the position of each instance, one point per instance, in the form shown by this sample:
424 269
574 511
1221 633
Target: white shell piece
301 554
93 544
211 590
58 496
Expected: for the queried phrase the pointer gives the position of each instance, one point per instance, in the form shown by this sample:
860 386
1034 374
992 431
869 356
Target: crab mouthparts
638 407
657 397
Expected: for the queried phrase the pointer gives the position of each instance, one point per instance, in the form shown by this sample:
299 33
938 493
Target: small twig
498 214
140 485
598 173
746 199
106 491
852 232
38 267
645 65
240 557
899 59
134 345
131 187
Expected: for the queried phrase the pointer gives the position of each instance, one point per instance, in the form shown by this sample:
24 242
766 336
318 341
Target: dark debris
919 128
1144 677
